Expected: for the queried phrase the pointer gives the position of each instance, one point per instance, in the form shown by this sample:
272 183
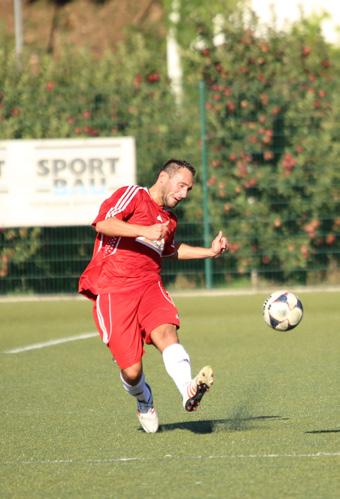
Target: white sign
61 182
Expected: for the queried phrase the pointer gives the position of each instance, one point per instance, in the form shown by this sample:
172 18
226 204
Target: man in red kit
135 229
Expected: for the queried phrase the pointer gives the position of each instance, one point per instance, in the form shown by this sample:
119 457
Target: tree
272 147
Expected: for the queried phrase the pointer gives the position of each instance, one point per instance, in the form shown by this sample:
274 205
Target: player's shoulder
128 191
131 188
121 197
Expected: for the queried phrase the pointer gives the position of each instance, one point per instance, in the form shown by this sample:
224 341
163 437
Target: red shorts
126 317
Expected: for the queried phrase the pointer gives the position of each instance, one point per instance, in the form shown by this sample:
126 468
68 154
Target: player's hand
219 245
156 232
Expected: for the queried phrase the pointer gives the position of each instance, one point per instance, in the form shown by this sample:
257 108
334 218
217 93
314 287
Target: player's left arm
218 246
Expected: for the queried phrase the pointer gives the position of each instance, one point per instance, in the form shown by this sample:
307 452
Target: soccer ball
282 310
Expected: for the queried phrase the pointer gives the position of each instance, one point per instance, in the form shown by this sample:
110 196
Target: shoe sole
193 402
205 380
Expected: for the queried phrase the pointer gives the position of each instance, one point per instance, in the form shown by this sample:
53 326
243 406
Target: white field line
50 343
171 457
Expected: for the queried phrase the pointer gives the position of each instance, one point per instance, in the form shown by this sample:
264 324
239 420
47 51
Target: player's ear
163 177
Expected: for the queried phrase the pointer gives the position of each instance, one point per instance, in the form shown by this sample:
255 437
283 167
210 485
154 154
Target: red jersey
116 260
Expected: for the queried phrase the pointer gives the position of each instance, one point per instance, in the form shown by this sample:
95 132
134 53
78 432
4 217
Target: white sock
177 365
141 391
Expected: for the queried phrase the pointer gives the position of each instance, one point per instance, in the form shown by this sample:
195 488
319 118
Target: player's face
177 187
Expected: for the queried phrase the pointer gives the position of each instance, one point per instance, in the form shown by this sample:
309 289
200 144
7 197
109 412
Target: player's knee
164 335
132 374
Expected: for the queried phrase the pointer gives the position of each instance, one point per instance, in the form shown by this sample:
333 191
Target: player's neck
156 195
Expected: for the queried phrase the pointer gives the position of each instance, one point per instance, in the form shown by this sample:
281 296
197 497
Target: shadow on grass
336 430
216 425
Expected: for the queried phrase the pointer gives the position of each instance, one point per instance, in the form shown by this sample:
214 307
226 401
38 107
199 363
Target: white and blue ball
282 310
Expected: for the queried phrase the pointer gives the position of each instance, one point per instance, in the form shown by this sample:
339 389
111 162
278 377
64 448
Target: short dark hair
172 165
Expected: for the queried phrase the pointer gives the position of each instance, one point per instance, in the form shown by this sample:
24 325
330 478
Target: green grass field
269 428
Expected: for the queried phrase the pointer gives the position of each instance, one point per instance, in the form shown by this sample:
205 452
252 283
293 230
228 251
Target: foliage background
272 110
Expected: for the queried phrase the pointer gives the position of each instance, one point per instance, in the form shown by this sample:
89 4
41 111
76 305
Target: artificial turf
269 428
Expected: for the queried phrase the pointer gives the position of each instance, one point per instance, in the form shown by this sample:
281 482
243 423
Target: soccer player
135 229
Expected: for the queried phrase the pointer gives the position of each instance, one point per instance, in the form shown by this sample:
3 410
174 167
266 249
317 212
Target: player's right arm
113 227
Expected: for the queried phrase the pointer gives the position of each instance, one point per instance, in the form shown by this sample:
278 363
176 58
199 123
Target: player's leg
175 357
177 364
123 337
159 316
134 383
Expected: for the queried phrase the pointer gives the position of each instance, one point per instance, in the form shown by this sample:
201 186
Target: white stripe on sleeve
123 201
